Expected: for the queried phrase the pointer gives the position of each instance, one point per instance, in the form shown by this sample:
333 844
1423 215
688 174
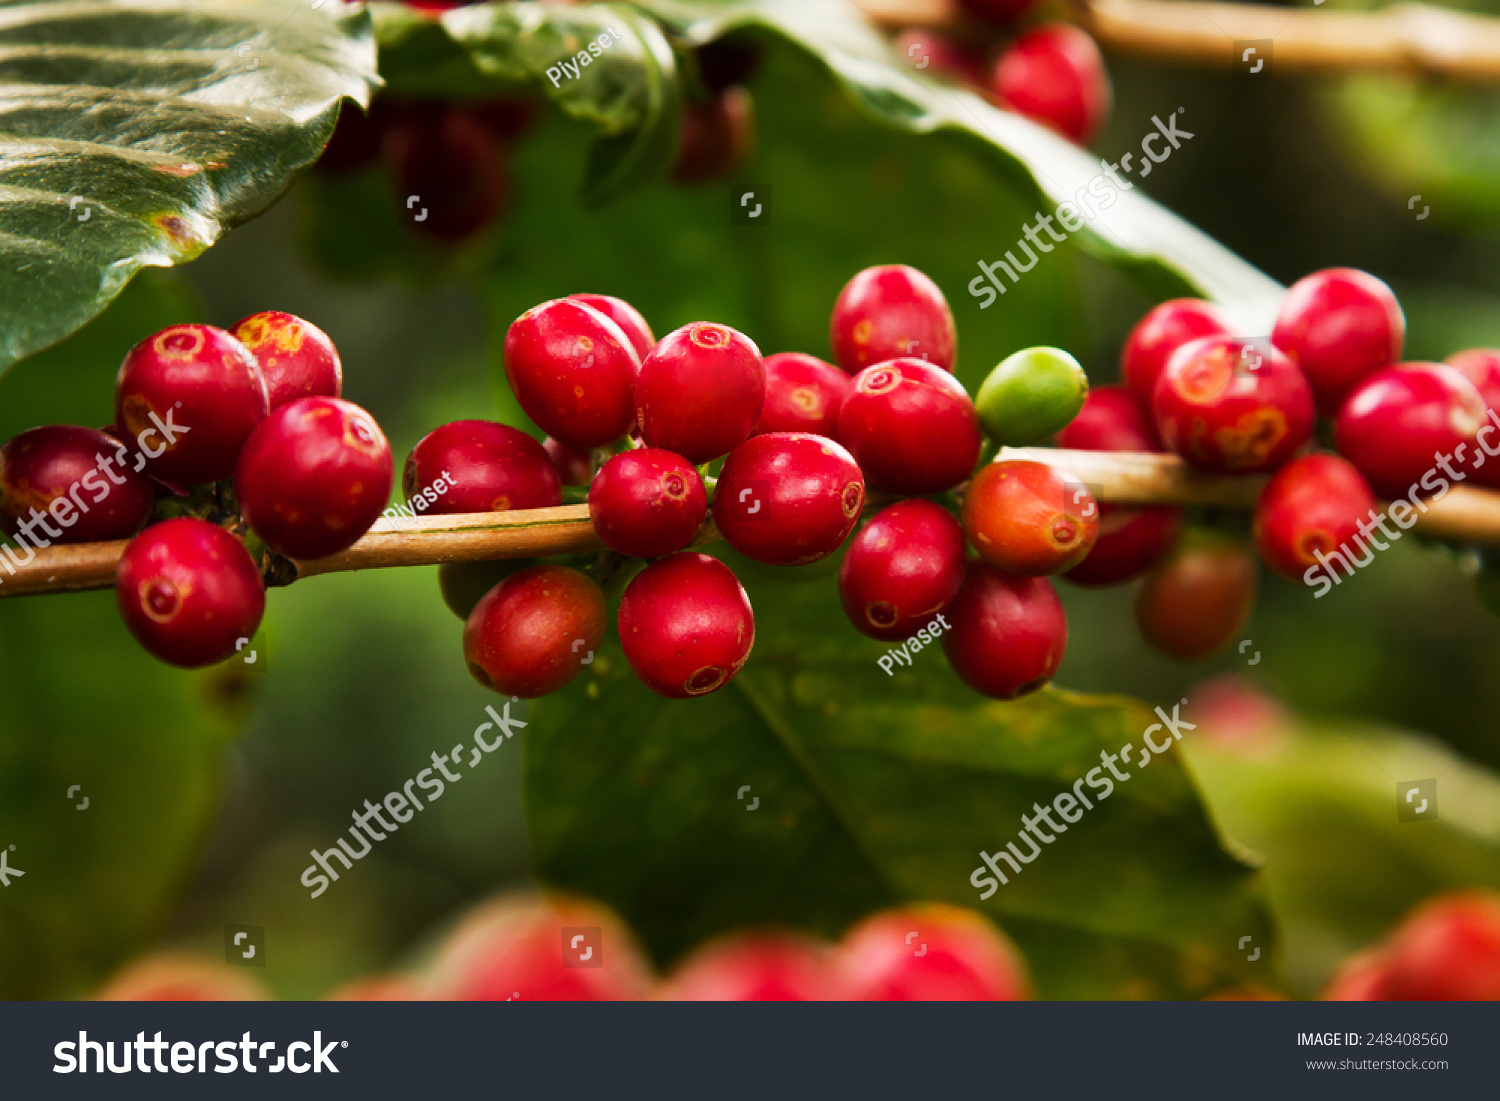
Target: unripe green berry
1032 395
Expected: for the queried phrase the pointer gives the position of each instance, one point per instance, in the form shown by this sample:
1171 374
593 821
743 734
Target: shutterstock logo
189 1058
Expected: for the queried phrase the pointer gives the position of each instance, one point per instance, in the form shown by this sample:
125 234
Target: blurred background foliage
207 789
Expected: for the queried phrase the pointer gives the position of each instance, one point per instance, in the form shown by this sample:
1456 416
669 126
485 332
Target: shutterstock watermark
1067 803
1072 214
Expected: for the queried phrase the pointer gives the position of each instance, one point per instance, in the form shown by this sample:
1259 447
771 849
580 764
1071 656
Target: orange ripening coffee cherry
1313 505
758 967
1339 326
1008 633
956 956
1447 950
534 632
1029 518
1196 602
296 358
889 312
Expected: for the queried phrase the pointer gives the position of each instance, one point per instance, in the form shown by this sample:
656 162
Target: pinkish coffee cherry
573 371
1313 505
1233 406
803 394
1055 75
188 591
963 957
1398 423
891 311
788 498
686 626
647 502
534 632
623 314
296 358
1008 634
479 466
902 569
69 484
1340 326
314 476
910 426
188 397
701 391
1163 330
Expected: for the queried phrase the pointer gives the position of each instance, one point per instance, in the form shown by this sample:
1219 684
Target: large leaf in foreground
873 789
134 133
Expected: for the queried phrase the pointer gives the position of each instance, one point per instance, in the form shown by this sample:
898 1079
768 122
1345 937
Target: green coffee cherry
1031 396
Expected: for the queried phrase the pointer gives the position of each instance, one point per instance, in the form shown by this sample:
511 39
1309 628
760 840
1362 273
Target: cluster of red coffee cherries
224 437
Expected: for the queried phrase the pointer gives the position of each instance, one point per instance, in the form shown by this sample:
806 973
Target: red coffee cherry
788 498
1399 422
1448 950
1161 332
479 466
803 394
356 138
1030 519
701 391
962 958
574 466
623 314
188 591
716 135
1055 75
532 633
296 358
686 626
647 502
66 484
449 159
314 476
573 371
902 569
1232 406
1340 326
888 312
1481 366
758 967
1008 633
910 426
1130 540
1313 504
1197 601
189 397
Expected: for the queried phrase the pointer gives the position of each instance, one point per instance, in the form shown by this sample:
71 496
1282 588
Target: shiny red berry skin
574 466
961 958
803 394
1030 519
45 469
701 391
189 591
1131 540
1008 634
686 626
1448 950
448 158
296 358
788 498
1161 332
314 476
573 371
1340 326
716 135
903 568
1395 423
910 426
758 967
1055 75
888 312
478 466
205 387
647 502
1481 366
623 314
1232 406
1198 599
533 633
1314 503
